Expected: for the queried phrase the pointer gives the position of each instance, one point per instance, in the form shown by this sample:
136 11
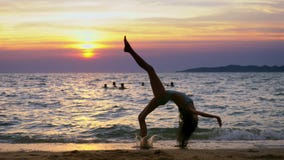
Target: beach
163 150
173 154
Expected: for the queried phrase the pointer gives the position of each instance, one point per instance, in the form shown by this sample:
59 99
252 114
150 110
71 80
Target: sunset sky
86 35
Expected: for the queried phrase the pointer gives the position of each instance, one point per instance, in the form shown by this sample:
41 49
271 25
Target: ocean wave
215 107
9 123
115 131
10 95
38 138
124 133
247 134
94 82
114 112
37 78
279 94
43 104
267 99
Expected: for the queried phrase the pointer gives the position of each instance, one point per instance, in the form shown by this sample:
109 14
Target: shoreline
163 150
159 145
169 154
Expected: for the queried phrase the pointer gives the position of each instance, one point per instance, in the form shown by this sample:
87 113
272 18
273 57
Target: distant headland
237 68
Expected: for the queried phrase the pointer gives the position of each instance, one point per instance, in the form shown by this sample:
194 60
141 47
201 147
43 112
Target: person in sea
188 113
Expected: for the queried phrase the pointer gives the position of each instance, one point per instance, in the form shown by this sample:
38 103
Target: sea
77 108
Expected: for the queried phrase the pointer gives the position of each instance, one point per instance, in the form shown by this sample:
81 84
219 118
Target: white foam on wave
253 134
145 142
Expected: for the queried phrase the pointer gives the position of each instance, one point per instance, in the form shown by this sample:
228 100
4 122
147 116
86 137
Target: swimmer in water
114 84
122 86
188 113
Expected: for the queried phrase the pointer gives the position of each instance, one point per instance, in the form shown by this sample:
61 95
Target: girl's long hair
187 125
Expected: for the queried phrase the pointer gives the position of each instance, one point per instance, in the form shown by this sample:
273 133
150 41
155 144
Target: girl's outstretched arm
203 114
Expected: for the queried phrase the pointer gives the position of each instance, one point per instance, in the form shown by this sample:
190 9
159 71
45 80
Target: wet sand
163 150
172 154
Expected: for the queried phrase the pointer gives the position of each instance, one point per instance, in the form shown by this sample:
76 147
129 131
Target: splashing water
145 142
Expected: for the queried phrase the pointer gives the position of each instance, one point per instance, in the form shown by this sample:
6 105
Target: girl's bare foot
127 47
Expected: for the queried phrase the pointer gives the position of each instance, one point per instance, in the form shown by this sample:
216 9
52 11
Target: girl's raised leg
156 84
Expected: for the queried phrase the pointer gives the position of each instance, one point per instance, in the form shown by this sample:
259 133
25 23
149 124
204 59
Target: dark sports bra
169 93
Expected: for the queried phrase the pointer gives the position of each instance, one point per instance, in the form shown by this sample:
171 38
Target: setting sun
86 42
88 53
87 50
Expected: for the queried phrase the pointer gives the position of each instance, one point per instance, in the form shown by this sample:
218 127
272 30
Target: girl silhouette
188 113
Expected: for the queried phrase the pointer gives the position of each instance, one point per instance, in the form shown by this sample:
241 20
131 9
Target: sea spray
145 142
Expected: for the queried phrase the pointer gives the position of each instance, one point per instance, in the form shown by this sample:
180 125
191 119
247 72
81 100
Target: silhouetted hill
237 68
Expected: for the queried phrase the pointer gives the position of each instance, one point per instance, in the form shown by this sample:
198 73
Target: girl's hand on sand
219 121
